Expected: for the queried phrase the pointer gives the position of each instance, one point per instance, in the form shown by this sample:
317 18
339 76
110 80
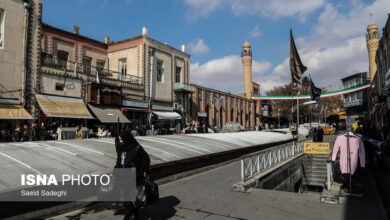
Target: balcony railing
182 87
79 68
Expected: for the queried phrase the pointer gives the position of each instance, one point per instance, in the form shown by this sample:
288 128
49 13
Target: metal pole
151 85
328 176
279 117
26 6
242 171
325 112
349 159
297 109
117 127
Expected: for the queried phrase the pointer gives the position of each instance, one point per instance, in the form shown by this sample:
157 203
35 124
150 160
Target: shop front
12 115
105 102
109 118
136 111
202 118
64 113
165 120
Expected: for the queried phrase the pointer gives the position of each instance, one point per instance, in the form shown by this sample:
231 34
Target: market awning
108 114
134 109
202 114
63 107
167 115
12 111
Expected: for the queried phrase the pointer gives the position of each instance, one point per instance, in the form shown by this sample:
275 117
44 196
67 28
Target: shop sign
316 148
202 114
136 104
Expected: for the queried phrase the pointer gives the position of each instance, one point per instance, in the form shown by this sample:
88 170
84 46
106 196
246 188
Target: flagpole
297 108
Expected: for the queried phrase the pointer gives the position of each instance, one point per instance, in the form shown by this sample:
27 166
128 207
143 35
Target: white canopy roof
167 115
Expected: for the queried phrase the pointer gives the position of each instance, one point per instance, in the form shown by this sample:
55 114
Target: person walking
25 134
130 154
17 134
33 132
79 132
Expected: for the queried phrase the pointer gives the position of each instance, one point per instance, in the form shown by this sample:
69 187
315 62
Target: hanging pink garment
356 150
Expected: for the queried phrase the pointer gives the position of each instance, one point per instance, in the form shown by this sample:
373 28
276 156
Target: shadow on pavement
364 203
163 209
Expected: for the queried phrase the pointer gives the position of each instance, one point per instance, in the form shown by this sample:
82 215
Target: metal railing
51 61
255 163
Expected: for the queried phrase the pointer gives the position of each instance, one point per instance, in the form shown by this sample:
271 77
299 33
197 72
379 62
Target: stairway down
314 172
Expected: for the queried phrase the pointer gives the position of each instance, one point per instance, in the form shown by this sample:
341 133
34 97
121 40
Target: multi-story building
355 103
19 56
165 72
141 76
214 108
379 61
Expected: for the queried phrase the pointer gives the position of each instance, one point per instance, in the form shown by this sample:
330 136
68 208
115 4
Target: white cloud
104 4
255 32
274 8
198 47
225 73
202 8
336 46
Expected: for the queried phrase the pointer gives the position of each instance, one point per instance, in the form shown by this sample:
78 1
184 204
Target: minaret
372 46
246 55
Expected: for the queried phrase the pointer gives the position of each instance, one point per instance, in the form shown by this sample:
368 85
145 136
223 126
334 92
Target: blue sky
329 34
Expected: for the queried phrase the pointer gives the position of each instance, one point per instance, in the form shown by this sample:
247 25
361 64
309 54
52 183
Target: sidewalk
208 196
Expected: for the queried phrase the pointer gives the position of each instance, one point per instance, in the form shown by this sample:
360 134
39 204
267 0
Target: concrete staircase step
314 182
319 176
318 171
316 167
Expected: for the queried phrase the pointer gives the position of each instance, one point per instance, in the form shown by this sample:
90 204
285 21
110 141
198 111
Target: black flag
296 67
315 92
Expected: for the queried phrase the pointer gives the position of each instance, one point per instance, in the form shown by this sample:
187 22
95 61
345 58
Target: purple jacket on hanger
356 150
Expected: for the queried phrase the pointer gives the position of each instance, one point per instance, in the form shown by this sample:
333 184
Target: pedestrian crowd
23 133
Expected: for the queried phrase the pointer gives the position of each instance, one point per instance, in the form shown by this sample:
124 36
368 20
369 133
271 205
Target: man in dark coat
131 154
17 134
34 133
25 134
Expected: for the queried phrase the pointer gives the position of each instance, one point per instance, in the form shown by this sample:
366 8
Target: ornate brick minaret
246 55
372 46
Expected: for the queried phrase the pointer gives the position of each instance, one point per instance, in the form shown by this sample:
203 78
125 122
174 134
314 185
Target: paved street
208 196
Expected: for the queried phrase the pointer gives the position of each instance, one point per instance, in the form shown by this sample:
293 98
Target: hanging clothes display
356 148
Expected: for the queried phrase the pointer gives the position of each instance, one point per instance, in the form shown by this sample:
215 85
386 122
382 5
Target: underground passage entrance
284 168
306 173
